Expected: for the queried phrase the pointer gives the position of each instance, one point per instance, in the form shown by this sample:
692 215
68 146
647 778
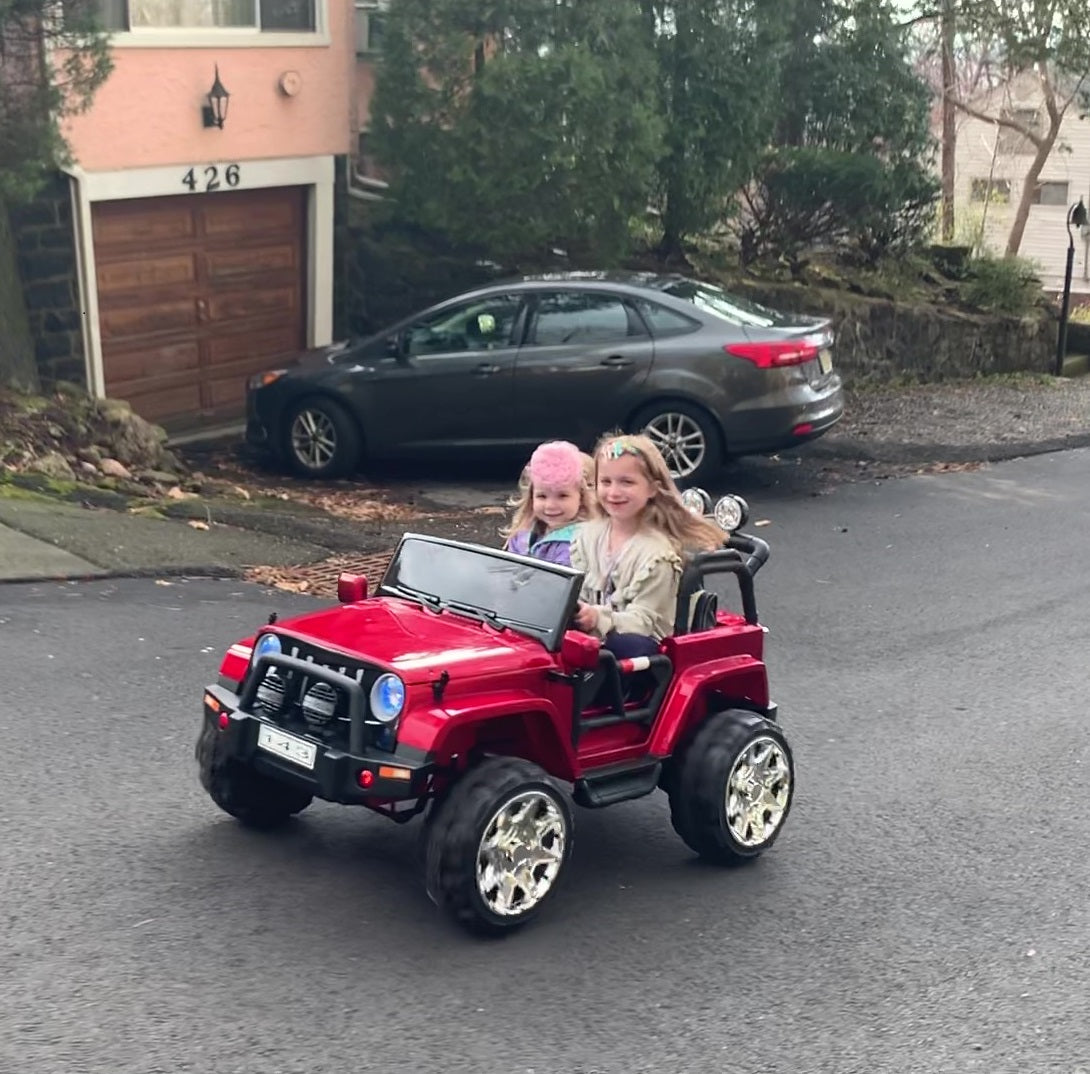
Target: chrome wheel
521 853
758 792
313 438
681 440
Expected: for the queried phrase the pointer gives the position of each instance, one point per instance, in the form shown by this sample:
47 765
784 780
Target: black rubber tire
698 787
456 826
256 801
347 441
714 455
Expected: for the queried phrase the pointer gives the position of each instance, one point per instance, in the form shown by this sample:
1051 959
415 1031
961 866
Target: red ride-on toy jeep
459 689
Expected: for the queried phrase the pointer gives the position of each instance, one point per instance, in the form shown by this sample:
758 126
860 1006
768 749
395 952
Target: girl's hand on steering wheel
586 617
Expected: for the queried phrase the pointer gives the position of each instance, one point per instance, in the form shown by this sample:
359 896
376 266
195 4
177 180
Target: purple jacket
552 547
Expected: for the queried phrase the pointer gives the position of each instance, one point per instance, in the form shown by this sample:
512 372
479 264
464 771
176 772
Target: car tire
321 440
734 758
688 437
254 800
464 860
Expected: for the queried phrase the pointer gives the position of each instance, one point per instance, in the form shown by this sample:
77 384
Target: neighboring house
992 162
203 253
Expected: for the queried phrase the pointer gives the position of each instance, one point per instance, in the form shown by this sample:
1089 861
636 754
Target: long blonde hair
664 511
522 503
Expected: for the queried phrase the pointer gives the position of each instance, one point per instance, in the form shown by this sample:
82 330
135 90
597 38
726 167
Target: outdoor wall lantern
1077 217
215 112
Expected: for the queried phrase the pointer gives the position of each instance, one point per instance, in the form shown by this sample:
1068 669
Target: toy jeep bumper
229 734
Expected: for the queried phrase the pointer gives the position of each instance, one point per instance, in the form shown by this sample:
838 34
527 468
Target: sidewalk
885 434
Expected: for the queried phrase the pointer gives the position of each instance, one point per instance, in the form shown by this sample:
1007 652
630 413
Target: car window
480 325
665 322
581 317
731 308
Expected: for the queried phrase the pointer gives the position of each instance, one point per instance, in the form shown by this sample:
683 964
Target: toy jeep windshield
458 690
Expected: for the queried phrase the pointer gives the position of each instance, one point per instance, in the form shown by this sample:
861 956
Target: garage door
195 294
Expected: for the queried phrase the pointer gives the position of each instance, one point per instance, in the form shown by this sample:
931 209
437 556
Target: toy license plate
825 361
296 750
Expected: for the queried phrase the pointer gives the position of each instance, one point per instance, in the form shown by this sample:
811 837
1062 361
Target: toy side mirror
351 587
579 650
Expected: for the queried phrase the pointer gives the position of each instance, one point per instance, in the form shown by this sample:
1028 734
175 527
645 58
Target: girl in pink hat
555 495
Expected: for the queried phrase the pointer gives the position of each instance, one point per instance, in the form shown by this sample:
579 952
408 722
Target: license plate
296 750
825 361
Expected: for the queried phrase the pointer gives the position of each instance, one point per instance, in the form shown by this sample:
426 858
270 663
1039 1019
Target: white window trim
314 173
228 36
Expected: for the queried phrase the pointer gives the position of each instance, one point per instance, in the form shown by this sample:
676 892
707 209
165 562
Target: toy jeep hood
413 641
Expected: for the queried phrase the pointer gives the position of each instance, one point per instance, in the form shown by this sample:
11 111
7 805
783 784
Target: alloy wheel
520 853
681 441
313 438
758 791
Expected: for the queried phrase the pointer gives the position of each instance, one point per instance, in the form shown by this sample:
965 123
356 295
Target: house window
1050 194
996 191
370 25
1014 141
266 15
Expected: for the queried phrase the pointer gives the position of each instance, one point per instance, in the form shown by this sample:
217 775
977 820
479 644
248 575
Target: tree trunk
1021 215
18 369
949 121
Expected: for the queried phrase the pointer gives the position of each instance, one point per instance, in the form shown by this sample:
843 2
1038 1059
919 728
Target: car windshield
529 596
737 310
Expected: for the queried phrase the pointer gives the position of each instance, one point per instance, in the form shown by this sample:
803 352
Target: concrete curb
213 571
908 453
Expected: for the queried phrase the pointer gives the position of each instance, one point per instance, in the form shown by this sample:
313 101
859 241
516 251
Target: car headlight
387 698
731 513
697 501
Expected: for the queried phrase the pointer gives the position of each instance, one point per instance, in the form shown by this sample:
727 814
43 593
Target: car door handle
617 361
485 369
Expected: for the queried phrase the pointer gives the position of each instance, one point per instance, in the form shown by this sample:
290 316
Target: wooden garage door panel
179 360
227 265
117 223
128 321
206 288
264 215
250 347
144 273
163 401
280 304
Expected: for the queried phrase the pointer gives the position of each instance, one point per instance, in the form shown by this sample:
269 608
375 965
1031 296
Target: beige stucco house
992 163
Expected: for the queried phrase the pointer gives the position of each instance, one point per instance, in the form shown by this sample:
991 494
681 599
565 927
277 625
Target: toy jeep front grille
284 692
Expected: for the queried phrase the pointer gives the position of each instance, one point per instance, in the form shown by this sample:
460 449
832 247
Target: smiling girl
632 558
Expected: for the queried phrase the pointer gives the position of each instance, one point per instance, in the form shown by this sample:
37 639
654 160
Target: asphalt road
924 911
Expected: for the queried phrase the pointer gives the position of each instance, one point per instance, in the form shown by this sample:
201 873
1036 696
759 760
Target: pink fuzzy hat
557 465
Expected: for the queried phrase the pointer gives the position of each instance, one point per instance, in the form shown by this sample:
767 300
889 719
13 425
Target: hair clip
621 446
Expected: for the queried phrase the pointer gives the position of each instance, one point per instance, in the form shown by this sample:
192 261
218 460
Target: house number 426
209 178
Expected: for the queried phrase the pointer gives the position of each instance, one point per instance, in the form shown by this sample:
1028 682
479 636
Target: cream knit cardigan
646 577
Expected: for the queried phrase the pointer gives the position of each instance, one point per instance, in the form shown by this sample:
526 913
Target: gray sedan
562 356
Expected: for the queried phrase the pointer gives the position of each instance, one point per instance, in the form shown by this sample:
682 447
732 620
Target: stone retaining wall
47 262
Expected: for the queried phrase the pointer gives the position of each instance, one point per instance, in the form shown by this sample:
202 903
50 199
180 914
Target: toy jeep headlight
387 698
697 501
267 643
731 513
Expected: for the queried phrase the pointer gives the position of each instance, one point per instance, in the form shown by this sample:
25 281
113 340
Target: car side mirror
579 650
393 346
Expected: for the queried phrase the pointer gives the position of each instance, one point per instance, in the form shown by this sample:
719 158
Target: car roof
652 281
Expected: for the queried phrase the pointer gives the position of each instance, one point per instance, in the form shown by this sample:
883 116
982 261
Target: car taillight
775 355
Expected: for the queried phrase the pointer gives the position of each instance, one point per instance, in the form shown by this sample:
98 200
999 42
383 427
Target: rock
128 437
53 464
113 468
88 467
157 477
90 455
